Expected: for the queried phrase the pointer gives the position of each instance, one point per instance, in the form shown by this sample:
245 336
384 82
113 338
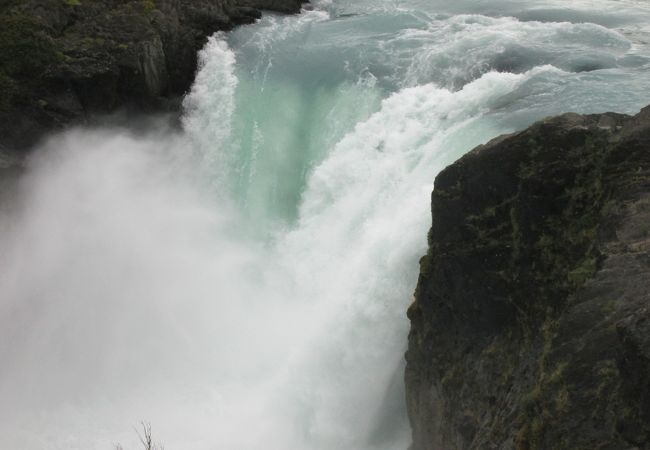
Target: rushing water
243 285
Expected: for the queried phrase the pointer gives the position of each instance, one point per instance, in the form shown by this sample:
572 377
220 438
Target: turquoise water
304 83
243 284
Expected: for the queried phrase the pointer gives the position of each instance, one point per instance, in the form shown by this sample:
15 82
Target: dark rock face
531 320
284 6
64 61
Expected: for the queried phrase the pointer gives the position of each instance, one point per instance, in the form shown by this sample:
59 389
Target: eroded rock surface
531 319
63 61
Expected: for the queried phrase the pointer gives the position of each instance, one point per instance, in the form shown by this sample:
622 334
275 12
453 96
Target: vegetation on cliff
529 326
64 61
25 55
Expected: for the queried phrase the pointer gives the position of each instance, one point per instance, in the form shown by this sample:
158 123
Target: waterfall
243 284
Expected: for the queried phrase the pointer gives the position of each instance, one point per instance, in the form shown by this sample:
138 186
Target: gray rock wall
531 320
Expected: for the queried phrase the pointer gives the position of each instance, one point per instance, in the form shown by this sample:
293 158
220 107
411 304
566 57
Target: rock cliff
64 61
531 320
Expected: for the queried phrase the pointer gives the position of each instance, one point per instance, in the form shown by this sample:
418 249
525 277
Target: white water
243 285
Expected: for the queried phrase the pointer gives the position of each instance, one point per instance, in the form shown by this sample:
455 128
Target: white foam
209 108
131 290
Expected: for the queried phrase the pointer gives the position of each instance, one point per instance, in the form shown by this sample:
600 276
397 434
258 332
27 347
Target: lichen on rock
529 321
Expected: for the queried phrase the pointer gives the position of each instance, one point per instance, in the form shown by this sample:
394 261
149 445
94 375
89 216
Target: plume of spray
131 289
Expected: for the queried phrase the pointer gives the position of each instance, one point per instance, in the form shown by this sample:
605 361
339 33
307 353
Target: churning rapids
242 285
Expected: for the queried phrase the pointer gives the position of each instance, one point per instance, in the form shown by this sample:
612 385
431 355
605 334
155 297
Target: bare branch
146 438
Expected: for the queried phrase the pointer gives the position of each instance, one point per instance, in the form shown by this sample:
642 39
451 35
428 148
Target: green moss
140 6
548 396
531 434
537 433
492 226
562 400
148 5
24 49
608 376
453 375
530 399
557 375
26 53
585 270
425 264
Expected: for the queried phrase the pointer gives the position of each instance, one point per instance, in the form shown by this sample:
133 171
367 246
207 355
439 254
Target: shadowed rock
531 320
65 61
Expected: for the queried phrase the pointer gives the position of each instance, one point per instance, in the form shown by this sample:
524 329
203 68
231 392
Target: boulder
530 327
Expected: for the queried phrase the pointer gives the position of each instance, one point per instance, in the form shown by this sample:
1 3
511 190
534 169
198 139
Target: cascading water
243 285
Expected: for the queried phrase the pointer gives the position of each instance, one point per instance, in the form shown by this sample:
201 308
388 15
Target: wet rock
283 6
67 61
530 327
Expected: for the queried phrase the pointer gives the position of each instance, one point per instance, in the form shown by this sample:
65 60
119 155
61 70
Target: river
242 284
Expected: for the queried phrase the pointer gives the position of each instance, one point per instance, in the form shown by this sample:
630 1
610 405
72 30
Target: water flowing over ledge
243 284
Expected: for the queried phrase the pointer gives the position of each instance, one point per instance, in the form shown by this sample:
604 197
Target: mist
241 283
131 291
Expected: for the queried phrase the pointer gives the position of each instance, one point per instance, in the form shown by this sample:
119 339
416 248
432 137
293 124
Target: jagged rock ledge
530 327
65 61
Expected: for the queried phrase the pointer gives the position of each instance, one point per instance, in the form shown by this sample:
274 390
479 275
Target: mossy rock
26 54
532 302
